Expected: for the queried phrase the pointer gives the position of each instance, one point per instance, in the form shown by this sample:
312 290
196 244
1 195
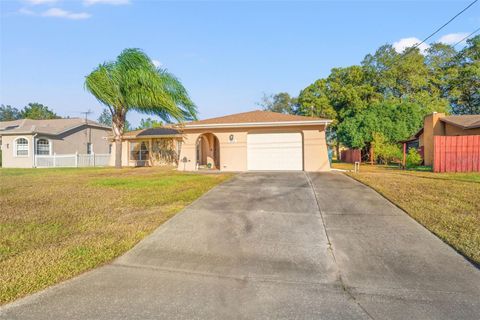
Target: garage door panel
275 151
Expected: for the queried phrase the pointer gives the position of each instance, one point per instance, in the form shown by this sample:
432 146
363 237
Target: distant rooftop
464 121
49 127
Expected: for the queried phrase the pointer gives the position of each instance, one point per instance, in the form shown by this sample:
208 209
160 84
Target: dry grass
57 223
448 204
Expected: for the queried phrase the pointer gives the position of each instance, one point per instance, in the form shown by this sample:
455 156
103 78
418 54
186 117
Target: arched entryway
208 152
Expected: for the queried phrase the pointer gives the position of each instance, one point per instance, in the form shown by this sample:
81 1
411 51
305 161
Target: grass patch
445 203
57 223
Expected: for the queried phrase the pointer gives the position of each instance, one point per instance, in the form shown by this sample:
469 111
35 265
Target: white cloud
112 2
404 43
60 13
156 63
26 11
37 2
452 38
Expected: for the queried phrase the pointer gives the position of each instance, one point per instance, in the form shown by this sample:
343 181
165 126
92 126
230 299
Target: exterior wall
456 131
315 151
421 142
76 141
432 126
9 159
233 154
125 149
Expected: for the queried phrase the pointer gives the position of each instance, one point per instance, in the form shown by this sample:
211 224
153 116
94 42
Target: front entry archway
208 152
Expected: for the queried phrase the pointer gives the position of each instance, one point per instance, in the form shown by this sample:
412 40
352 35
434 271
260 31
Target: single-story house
438 124
23 142
256 140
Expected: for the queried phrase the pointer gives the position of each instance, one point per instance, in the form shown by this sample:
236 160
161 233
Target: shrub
385 152
414 159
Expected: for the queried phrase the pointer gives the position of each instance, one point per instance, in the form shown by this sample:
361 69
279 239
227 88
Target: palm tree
132 82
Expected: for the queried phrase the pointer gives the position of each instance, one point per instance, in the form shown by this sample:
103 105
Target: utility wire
436 31
471 34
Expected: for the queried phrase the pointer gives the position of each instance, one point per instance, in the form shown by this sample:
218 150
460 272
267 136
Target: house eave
258 124
149 137
475 126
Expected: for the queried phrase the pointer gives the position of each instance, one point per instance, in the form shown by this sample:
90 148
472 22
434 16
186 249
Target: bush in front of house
414 159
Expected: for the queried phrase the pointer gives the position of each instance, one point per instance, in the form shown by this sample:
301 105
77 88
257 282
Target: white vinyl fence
72 160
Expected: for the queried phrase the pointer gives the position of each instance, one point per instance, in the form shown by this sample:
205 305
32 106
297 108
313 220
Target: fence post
76 159
54 159
93 155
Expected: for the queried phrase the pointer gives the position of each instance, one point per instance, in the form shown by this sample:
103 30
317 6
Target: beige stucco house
23 142
249 141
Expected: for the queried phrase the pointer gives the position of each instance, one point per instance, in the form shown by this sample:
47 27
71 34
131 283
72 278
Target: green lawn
448 204
57 223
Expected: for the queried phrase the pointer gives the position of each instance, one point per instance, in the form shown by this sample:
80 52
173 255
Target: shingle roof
5 125
416 136
464 121
50 127
256 116
160 131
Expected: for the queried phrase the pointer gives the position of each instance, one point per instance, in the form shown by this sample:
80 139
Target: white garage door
274 151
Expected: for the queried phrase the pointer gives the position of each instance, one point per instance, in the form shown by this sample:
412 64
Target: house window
110 148
43 147
89 148
21 147
138 151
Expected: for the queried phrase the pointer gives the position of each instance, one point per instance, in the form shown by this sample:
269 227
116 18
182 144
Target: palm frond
132 82
104 85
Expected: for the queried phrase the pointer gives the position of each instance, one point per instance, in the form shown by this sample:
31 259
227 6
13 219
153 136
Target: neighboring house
256 140
24 141
440 125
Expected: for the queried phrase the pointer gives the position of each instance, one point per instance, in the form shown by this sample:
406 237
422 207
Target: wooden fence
456 154
351 155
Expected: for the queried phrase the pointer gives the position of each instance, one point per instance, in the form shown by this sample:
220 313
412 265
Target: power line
436 31
471 34
86 113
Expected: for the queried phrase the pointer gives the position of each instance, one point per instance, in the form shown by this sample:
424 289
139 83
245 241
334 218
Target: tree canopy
149 123
280 102
35 111
390 92
9 113
106 119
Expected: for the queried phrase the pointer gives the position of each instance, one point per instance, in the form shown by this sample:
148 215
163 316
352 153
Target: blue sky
226 53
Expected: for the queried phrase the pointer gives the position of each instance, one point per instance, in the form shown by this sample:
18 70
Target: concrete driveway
275 246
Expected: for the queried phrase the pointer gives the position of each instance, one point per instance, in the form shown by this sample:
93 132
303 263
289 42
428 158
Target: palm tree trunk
118 152
117 125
